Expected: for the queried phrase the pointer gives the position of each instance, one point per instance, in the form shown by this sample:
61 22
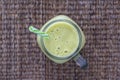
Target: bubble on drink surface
66 51
58 48
55 39
59 37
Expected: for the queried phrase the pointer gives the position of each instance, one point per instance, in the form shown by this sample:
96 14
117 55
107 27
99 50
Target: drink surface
63 39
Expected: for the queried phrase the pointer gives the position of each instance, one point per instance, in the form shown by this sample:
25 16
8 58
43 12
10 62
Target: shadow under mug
75 55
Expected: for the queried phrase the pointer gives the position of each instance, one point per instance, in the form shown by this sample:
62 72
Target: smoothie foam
63 39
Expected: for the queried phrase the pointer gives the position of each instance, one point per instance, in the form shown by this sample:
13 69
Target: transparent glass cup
75 55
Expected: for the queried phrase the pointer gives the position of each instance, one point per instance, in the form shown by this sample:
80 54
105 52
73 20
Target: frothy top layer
63 39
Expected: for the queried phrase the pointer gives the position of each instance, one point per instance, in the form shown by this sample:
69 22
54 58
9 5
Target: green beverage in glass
61 39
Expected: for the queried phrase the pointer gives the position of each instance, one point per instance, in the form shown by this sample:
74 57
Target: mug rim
73 53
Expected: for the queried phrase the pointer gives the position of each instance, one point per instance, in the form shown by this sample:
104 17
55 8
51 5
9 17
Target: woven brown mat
21 58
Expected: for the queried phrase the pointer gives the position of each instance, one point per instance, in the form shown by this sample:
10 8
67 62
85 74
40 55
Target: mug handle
80 61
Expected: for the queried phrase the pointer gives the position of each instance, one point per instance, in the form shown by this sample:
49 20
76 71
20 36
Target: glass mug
73 55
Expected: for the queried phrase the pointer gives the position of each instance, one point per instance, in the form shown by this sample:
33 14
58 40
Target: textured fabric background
21 58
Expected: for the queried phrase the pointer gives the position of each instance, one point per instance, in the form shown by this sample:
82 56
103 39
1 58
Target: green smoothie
63 39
